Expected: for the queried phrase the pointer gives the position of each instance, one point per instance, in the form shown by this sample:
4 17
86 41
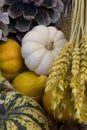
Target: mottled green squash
18 112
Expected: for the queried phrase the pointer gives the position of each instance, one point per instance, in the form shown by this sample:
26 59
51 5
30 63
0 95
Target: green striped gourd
18 112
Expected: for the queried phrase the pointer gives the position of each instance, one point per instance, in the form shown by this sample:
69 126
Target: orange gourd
11 61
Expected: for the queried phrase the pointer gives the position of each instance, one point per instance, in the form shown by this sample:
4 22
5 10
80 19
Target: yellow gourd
30 84
47 97
11 61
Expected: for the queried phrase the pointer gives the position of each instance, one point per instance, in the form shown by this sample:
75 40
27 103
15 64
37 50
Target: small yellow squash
11 61
30 84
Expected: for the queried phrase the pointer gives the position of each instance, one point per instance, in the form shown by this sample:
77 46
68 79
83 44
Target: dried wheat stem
74 18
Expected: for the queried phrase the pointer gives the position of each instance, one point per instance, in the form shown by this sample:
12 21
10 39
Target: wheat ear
59 67
74 84
57 75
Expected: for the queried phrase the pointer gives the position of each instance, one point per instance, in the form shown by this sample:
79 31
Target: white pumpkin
40 48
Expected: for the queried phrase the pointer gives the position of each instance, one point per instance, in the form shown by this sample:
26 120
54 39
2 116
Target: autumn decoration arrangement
43 75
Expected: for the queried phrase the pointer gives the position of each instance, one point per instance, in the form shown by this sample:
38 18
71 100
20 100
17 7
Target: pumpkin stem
7 85
4 84
50 46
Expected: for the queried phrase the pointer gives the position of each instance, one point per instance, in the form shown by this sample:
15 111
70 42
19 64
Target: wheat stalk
84 59
58 104
83 63
74 84
57 75
59 67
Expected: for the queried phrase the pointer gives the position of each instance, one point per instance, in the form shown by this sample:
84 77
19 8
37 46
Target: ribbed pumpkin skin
11 62
23 113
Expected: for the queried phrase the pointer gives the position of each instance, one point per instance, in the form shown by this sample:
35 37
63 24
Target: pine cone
25 14
4 21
